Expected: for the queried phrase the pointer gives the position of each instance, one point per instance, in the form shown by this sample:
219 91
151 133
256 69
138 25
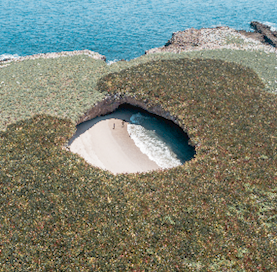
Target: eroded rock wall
111 103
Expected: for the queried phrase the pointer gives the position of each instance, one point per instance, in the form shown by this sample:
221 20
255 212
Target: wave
8 57
273 26
150 143
109 62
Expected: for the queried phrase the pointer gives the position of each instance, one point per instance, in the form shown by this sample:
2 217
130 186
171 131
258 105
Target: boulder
268 35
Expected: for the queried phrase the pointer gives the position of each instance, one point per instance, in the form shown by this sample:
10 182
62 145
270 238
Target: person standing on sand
113 125
122 123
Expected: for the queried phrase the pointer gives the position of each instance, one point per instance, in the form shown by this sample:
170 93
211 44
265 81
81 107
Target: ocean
160 140
123 29
118 29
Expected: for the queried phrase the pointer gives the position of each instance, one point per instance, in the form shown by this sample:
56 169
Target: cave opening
130 140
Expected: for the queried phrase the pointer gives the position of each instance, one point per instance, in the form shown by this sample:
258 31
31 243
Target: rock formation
267 34
111 103
214 38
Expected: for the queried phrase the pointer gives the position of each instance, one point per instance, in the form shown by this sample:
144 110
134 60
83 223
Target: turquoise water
118 29
161 140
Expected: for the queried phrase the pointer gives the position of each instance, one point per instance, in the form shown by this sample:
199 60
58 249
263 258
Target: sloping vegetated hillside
263 63
62 87
214 213
65 87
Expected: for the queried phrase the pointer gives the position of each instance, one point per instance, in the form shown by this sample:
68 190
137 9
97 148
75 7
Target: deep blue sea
118 29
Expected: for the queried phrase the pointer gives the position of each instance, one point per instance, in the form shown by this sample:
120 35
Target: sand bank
104 142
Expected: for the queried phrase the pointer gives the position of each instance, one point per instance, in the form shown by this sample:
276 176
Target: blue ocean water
118 29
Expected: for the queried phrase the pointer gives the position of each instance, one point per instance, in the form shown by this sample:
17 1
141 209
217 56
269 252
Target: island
216 212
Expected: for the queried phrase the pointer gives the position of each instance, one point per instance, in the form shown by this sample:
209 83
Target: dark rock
254 35
5 59
187 38
269 36
180 41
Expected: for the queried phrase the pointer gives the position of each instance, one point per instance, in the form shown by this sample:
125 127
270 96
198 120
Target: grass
264 64
66 87
214 213
234 40
63 87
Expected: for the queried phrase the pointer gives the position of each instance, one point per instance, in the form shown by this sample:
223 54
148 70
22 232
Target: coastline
191 39
104 142
217 43
53 55
54 199
219 38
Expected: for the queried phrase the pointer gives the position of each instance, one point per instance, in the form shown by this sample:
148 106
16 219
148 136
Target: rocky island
220 37
216 212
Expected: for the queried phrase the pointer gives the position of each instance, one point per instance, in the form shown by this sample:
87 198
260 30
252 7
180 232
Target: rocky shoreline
54 55
263 38
264 33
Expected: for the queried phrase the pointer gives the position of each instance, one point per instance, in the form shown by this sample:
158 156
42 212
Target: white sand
110 148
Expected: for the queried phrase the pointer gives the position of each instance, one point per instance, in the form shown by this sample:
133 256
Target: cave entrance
131 140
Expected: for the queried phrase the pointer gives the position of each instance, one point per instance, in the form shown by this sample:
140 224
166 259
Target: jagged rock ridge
267 35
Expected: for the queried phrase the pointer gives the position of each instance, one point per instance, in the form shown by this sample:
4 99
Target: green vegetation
63 87
214 213
234 40
264 64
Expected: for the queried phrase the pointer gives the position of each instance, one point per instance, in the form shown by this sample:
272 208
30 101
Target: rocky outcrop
182 41
252 35
267 34
111 103
185 39
217 38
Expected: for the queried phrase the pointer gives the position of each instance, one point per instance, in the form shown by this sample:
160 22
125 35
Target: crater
131 140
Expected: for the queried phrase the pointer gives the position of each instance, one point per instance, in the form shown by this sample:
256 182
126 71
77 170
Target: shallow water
118 29
161 141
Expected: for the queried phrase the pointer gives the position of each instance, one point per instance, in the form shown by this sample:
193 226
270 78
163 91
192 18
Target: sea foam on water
8 57
149 142
273 26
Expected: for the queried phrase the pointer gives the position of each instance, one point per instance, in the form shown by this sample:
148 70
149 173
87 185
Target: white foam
138 118
150 144
109 62
8 57
273 26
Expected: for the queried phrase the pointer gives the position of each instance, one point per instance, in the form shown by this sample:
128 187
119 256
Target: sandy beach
104 142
